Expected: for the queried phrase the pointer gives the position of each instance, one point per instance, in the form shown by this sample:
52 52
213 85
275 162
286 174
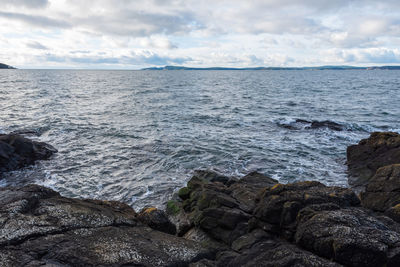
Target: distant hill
280 68
5 66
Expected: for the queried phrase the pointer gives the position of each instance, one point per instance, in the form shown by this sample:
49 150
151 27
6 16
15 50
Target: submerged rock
365 158
300 124
17 152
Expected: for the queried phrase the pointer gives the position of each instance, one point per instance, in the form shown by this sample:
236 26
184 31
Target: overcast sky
134 34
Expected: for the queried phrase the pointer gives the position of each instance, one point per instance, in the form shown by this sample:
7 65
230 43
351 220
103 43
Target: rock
364 159
326 124
157 220
383 189
198 235
178 217
350 236
272 252
212 176
38 227
300 124
279 205
17 152
245 191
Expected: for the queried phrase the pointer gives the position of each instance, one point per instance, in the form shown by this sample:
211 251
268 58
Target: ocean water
137 136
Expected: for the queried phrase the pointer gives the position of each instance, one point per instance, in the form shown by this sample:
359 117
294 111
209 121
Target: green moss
172 207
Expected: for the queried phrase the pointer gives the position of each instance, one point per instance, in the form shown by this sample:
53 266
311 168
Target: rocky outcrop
255 221
17 151
39 227
216 220
365 158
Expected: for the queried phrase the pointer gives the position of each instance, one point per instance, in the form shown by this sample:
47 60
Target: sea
138 136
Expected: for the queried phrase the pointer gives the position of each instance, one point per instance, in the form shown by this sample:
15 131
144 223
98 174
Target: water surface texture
136 136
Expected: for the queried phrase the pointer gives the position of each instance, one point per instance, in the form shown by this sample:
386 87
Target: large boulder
383 190
157 220
221 206
365 158
350 236
38 227
280 205
17 151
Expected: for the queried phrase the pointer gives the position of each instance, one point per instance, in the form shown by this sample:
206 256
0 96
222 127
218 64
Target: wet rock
326 124
38 226
365 158
157 220
17 152
306 124
350 236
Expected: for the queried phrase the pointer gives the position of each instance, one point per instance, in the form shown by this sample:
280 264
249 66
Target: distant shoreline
279 68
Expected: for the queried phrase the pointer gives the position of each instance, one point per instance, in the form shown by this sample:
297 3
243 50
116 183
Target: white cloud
126 34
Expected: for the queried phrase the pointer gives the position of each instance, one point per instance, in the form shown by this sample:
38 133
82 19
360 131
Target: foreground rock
17 152
379 150
40 227
256 221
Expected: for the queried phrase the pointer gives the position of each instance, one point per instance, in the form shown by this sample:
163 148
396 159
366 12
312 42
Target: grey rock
17 152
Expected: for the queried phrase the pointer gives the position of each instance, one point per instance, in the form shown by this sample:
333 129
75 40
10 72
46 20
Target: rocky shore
214 221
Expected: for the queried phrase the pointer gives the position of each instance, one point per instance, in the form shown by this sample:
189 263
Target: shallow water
136 136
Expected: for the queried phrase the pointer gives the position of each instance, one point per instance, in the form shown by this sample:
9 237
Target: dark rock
157 220
248 187
305 124
350 236
280 204
17 152
273 252
364 159
383 189
212 176
178 217
327 124
40 227
198 235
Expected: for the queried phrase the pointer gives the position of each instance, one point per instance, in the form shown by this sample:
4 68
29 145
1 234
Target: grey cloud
134 23
26 3
133 59
41 21
36 45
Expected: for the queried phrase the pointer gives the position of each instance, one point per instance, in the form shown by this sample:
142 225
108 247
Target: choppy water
136 136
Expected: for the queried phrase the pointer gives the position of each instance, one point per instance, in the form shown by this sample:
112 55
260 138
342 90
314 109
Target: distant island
5 66
280 68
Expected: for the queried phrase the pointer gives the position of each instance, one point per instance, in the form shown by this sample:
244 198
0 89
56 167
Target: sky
122 34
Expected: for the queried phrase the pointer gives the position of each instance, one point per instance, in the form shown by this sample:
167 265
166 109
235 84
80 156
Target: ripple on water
137 136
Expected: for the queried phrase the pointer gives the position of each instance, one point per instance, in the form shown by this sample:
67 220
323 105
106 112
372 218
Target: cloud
26 3
205 33
130 59
41 21
36 45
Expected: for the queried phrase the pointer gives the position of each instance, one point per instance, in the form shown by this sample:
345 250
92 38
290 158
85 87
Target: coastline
216 220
